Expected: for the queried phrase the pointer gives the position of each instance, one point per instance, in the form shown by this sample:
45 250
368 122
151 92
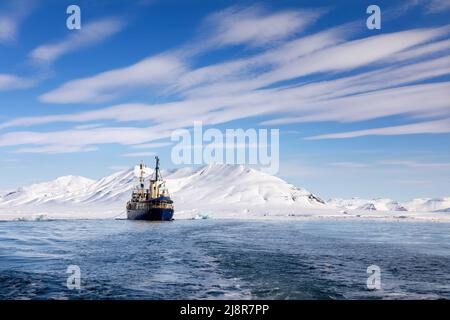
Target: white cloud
53 149
428 7
371 51
255 27
153 71
13 160
88 126
437 6
413 100
252 26
350 165
292 60
429 127
12 17
9 82
90 33
121 135
394 65
199 82
140 154
8 29
414 164
152 145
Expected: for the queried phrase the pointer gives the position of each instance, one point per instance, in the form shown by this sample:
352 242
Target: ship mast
141 189
157 169
154 186
141 177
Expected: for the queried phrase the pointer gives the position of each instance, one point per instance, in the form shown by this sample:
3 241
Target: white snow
51 191
380 204
214 191
429 204
383 204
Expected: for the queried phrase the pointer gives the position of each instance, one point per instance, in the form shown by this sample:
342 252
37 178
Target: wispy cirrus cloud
70 141
318 98
415 164
437 6
152 145
396 163
390 68
91 33
347 55
431 127
254 26
11 17
349 165
412 101
250 26
223 77
54 149
229 78
8 29
89 126
139 154
427 7
11 82
153 71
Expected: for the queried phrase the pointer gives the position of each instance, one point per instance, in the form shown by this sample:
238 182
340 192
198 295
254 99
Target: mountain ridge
212 189
189 186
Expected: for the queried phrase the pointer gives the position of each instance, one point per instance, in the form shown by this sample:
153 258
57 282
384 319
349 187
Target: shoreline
329 216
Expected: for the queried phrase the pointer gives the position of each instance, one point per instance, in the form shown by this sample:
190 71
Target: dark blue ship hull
151 214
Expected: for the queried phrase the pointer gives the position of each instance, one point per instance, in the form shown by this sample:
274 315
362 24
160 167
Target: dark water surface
224 259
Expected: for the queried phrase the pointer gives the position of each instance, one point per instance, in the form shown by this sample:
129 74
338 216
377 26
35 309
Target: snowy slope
429 204
222 187
383 204
214 189
222 191
380 204
60 189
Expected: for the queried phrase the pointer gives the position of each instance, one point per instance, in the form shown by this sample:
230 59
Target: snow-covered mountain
209 190
429 204
385 204
381 204
214 190
60 189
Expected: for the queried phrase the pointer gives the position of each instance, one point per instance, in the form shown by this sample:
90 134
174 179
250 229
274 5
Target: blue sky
361 112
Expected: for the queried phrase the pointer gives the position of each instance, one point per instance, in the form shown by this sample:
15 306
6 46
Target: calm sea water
224 259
